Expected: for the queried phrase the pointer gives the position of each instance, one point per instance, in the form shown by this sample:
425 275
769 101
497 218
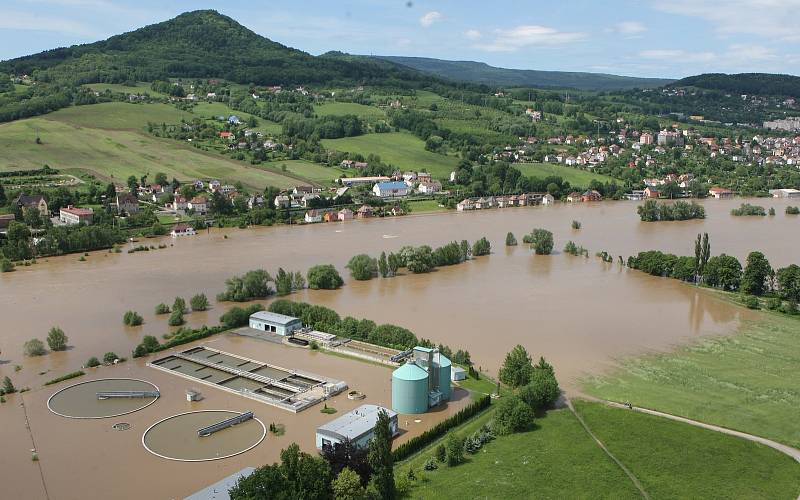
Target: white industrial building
785 193
357 426
280 324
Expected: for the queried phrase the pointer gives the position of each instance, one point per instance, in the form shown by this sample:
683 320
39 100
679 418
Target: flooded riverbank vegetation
654 211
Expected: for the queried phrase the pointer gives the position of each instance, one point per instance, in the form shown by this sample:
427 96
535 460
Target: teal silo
444 377
410 389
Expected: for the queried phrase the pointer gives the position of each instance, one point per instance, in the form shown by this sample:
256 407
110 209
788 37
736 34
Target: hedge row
413 445
65 377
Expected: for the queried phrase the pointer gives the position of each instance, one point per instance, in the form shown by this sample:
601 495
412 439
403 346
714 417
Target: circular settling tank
80 400
175 437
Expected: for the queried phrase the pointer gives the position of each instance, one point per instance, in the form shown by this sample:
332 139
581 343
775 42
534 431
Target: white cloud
14 20
750 53
630 28
519 37
429 18
677 55
473 34
771 19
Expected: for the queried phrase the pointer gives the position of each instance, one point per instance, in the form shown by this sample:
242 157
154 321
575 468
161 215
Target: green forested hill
745 83
199 44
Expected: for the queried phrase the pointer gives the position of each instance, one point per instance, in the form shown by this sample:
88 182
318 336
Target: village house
313 216
5 221
465 204
345 214
182 230
33 202
651 192
361 181
226 135
330 216
127 203
73 216
574 197
227 189
390 189
180 202
301 190
255 201
646 139
282 201
591 195
307 199
365 212
214 186
424 177
720 193
636 195
199 204
548 199
429 187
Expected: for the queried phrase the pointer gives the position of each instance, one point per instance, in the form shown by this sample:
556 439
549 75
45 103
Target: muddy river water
581 314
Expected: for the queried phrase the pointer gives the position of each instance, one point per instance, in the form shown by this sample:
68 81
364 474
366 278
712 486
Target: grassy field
574 176
308 170
555 460
425 206
749 381
116 154
400 149
675 460
139 88
350 108
212 109
119 115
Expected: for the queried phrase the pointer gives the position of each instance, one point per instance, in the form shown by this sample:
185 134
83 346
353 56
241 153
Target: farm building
357 426
275 323
422 383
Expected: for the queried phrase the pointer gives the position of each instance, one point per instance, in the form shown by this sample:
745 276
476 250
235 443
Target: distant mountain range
477 72
745 83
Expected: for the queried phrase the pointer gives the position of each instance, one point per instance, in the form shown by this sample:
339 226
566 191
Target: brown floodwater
581 314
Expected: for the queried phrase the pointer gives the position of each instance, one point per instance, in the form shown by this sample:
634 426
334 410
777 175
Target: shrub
751 302
253 284
110 357
199 302
8 386
93 361
746 209
431 464
363 267
511 240
512 415
481 247
792 210
772 210
573 249
789 307
541 240
6 266
576 224
773 303
179 305
236 316
68 376
542 391
132 318
176 318
162 309
139 351
324 277
455 450
34 347
56 339
150 343
441 453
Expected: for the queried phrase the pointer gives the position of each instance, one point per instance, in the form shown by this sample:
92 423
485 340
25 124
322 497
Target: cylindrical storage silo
444 377
410 389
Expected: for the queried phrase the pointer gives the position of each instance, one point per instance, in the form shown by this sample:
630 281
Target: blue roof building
390 189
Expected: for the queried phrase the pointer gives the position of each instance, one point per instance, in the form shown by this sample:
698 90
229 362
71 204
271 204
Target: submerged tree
511 240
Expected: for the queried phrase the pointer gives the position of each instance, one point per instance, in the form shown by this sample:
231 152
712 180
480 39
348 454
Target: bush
110 357
162 309
93 361
132 318
34 347
324 277
751 302
176 318
199 302
253 284
6 266
431 464
417 443
792 210
576 224
68 376
746 209
511 240
541 240
772 210
236 316
139 351
441 453
8 386
481 247
542 391
789 307
512 415
573 249
362 267
455 450
774 303
150 343
652 211
179 305
56 339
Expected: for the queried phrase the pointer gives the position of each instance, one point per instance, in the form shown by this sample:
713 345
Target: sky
663 38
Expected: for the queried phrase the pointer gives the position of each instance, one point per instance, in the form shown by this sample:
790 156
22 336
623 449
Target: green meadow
350 108
401 149
315 172
575 176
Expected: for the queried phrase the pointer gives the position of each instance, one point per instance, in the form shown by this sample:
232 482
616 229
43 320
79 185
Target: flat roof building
280 324
219 490
357 426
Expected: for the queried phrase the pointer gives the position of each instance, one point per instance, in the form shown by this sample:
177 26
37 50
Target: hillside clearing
575 176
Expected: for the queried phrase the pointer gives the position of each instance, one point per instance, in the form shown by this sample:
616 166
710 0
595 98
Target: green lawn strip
314 172
676 460
400 149
138 88
350 108
749 381
424 206
483 386
555 460
574 176
120 115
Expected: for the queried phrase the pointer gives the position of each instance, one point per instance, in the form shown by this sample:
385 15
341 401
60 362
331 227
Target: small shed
275 323
457 373
357 426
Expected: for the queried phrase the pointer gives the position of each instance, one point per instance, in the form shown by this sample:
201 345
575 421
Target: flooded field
581 314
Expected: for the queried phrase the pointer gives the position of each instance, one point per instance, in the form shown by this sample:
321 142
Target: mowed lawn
116 154
749 381
350 108
676 460
555 460
574 176
307 170
400 149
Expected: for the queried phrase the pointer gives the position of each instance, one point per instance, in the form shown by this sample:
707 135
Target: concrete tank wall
410 390
444 377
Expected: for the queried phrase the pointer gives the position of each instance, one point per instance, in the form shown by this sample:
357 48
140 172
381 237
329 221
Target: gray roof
219 490
354 424
274 318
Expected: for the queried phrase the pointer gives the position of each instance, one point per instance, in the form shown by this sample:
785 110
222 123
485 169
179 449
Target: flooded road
581 314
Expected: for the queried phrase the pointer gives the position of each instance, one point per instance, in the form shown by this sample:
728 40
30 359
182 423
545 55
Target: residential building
255 201
720 193
301 190
646 139
591 195
785 193
465 204
313 216
199 204
365 212
73 216
574 197
307 198
33 202
651 192
357 426
345 214
282 201
636 195
548 199
424 177
180 202
360 181
127 203
214 186
429 187
330 216
390 189
182 230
